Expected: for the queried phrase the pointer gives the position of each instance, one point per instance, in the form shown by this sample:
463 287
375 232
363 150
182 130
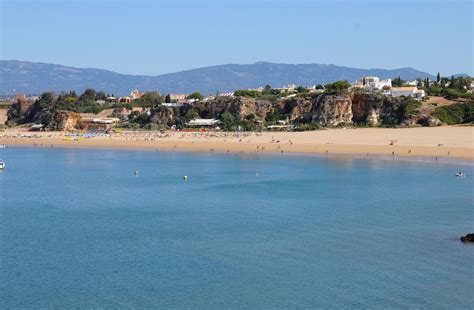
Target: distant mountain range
35 78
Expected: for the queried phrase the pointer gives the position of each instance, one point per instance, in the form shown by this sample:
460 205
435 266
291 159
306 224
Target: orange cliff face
325 110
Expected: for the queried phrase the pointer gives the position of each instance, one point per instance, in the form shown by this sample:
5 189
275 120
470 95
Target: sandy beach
446 142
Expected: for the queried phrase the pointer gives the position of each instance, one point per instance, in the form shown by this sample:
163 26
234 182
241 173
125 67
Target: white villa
178 96
412 83
373 83
411 91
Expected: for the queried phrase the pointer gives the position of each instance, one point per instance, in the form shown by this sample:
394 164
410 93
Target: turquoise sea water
79 230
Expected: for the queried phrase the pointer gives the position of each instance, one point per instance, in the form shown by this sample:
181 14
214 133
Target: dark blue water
80 230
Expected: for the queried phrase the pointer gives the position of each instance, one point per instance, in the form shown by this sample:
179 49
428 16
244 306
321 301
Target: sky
156 37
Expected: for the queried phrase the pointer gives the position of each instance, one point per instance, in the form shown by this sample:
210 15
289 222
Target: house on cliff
411 91
372 83
135 94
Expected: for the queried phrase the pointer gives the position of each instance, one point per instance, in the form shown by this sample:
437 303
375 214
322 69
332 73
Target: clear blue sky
154 37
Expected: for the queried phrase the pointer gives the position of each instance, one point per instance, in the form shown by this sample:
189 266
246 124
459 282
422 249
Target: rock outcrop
425 120
333 110
468 238
377 109
163 116
59 120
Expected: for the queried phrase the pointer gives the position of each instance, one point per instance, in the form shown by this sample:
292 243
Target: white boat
2 165
460 174
2 146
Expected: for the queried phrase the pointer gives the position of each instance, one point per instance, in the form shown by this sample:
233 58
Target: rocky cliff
53 120
326 110
374 110
61 120
333 110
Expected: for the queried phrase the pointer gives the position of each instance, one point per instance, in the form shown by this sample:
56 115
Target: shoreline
444 143
330 156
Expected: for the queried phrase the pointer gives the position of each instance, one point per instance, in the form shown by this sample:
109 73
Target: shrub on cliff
410 106
307 127
452 93
456 114
247 93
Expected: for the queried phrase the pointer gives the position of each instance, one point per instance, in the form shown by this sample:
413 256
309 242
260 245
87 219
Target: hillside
34 78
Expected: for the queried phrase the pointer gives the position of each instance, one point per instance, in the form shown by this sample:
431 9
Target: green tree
397 82
46 102
267 90
191 114
338 86
100 96
150 100
89 94
438 78
195 95
168 98
301 89
228 120
460 83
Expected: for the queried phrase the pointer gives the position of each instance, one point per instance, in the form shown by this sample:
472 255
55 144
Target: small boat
460 174
136 172
2 165
2 146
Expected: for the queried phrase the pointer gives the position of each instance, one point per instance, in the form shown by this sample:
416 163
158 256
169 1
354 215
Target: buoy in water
136 172
185 177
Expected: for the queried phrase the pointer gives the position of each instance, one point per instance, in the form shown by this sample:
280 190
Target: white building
411 91
412 83
229 94
373 83
203 122
177 96
179 103
135 94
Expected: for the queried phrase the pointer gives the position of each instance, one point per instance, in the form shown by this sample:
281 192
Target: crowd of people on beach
256 141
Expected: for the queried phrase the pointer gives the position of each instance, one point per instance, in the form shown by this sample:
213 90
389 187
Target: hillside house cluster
134 95
374 83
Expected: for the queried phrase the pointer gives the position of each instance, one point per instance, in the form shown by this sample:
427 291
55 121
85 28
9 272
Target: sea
123 229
